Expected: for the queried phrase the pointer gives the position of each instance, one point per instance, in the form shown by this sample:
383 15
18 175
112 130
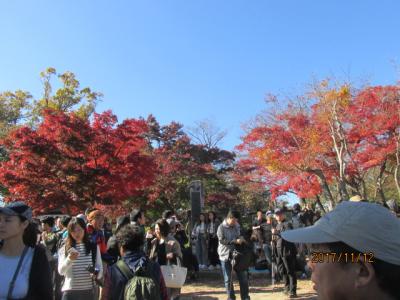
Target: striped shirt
81 278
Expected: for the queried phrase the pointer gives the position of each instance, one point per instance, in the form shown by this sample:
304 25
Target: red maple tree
69 162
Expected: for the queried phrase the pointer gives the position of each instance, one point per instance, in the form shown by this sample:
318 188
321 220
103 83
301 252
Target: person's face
232 221
211 216
259 215
142 219
280 217
46 227
78 233
11 226
202 218
98 222
157 231
58 223
331 279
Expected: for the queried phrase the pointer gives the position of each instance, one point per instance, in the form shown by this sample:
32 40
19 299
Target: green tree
69 97
14 108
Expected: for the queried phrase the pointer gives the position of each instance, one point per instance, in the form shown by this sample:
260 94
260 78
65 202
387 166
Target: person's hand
273 230
238 241
170 256
171 243
73 254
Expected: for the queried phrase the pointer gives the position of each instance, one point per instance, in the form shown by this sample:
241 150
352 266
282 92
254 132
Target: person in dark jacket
286 254
130 240
21 257
266 230
112 245
180 235
213 224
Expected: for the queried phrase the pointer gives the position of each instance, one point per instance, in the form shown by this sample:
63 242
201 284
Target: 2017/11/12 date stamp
345 257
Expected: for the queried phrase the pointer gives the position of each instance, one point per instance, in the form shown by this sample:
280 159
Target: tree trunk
379 183
325 187
396 179
364 187
344 195
318 201
396 170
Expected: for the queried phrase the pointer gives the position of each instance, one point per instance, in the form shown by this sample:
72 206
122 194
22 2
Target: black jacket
113 249
284 247
40 282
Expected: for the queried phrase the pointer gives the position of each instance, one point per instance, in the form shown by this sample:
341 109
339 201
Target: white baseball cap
366 227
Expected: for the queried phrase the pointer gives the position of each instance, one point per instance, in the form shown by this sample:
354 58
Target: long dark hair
214 216
205 218
164 227
29 236
70 242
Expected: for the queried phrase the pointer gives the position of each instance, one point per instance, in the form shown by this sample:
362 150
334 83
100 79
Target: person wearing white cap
355 252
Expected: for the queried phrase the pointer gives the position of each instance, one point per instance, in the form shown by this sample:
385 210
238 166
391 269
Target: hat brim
308 235
8 212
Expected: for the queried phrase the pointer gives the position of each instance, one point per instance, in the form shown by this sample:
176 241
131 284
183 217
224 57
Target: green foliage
69 97
21 108
14 107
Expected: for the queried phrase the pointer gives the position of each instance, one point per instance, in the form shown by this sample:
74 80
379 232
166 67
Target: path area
210 286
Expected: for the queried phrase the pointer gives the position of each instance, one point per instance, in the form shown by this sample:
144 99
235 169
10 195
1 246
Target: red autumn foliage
375 116
331 144
176 163
72 163
287 153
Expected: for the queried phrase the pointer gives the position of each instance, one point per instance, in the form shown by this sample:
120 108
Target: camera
92 270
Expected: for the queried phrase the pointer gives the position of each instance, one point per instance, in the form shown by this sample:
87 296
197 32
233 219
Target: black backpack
242 257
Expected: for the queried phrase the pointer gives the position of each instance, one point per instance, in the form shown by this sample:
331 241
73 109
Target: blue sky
190 60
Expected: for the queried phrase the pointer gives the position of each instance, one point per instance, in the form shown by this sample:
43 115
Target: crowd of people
82 257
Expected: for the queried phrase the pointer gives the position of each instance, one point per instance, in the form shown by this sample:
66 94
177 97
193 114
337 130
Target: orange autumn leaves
328 143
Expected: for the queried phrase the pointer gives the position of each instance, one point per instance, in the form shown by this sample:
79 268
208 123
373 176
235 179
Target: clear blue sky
190 60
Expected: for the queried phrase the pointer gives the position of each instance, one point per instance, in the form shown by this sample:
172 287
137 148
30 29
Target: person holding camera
228 236
80 263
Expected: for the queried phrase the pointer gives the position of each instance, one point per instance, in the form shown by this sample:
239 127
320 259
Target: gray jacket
226 237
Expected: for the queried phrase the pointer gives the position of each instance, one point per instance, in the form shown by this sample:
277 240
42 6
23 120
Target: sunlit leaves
72 163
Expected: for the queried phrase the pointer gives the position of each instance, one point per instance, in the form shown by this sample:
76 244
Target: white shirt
8 267
75 271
